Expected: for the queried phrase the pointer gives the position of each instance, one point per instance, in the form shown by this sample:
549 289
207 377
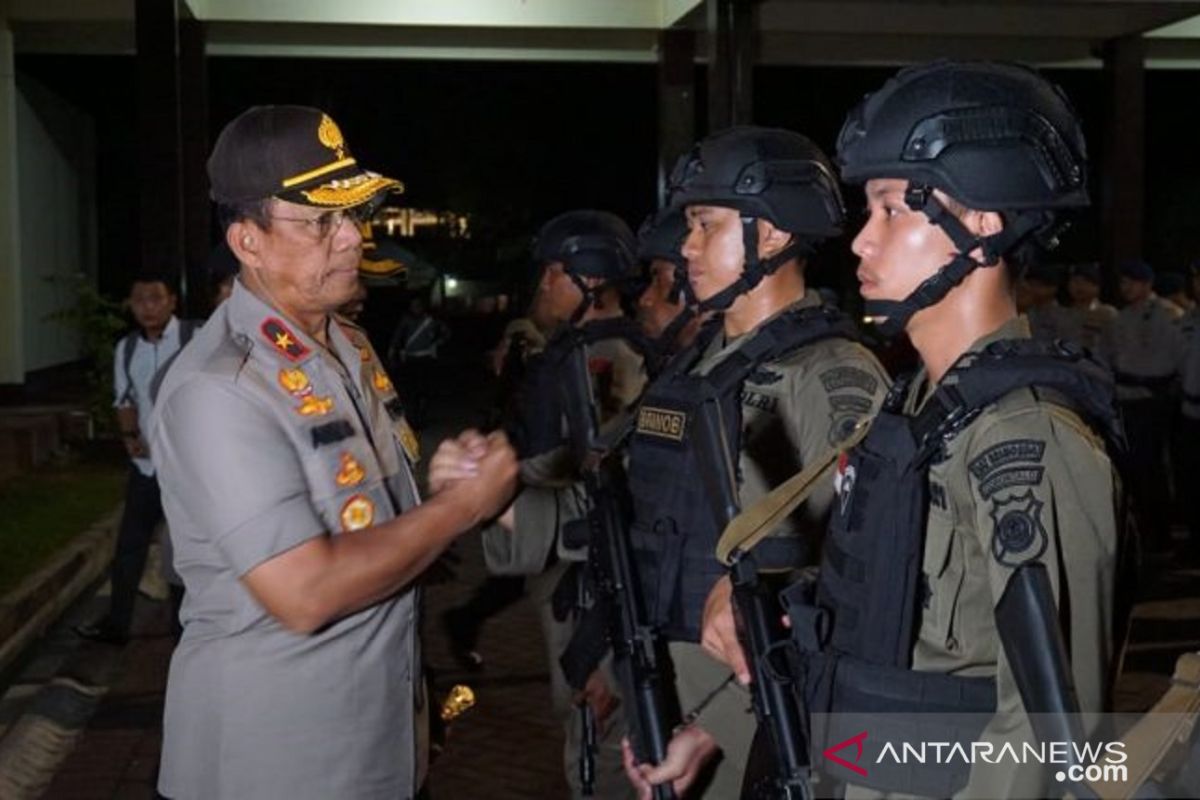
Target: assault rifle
614 618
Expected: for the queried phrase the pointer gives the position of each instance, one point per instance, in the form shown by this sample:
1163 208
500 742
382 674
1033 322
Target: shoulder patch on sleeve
764 377
845 412
1017 533
1009 452
1008 478
848 378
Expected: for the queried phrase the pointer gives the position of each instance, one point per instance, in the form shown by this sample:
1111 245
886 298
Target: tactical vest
539 427
676 519
856 637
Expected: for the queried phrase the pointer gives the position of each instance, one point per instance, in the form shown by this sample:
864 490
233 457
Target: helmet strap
934 289
591 298
755 268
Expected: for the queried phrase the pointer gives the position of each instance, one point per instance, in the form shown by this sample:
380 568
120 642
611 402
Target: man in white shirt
139 362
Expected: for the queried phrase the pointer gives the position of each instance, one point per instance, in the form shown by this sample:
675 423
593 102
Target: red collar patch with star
283 340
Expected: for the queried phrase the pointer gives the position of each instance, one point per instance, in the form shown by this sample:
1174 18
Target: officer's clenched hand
456 459
718 633
487 493
690 748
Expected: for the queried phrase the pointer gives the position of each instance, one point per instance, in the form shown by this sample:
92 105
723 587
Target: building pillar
731 28
1123 178
197 210
676 101
160 162
12 345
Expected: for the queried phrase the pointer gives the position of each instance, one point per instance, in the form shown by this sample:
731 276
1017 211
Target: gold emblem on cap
357 513
330 135
350 472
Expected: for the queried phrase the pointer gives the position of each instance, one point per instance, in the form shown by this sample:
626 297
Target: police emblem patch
381 381
295 382
1017 533
357 513
283 340
350 472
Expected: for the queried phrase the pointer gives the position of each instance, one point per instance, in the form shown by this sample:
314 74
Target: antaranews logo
1093 762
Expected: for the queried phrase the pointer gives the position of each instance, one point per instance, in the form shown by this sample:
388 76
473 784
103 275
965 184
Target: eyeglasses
330 221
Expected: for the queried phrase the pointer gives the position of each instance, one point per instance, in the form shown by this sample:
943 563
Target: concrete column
12 345
197 214
160 166
676 101
731 55
1122 192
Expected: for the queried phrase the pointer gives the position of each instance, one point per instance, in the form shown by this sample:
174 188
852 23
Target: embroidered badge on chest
350 472
408 440
283 340
357 513
296 383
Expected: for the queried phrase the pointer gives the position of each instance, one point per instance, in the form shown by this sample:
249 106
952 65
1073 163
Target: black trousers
1147 426
143 512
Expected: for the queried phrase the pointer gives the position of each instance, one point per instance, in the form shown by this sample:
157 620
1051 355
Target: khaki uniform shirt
263 439
794 410
1022 460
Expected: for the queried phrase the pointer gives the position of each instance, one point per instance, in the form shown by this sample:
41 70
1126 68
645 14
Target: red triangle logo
857 741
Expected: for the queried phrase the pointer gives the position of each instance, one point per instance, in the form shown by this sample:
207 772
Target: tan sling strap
754 524
1164 727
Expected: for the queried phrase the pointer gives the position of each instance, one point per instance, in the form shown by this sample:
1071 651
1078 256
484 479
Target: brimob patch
1010 452
1008 478
662 423
1017 533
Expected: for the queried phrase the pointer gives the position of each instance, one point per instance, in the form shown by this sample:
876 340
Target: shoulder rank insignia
357 513
282 339
408 440
350 472
382 382
313 406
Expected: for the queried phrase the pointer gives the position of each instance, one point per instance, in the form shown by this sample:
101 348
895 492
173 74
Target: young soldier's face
557 295
897 248
713 248
655 309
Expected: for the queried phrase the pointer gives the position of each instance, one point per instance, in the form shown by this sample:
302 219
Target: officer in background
1145 349
1088 319
1189 421
784 379
973 490
1037 299
588 263
287 479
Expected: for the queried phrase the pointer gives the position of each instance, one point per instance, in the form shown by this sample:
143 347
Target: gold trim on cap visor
304 177
351 191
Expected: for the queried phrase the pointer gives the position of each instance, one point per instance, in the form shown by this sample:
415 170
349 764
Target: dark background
513 143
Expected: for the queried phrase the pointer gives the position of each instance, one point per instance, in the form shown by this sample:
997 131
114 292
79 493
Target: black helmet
993 136
767 173
590 244
764 173
661 235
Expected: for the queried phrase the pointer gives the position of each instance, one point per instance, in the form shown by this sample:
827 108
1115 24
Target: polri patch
357 513
1017 532
848 378
663 423
1005 453
283 340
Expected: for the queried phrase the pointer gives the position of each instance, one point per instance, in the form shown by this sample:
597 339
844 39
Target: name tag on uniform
662 423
